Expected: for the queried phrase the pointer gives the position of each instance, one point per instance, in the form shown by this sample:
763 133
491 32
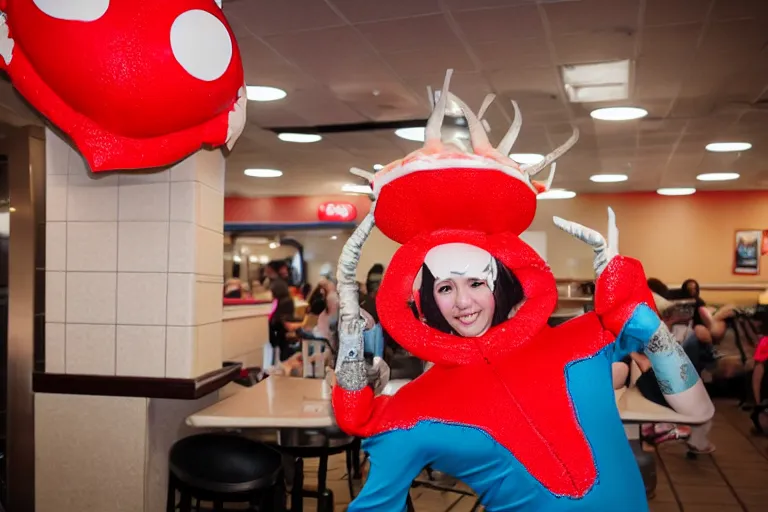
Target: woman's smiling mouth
468 319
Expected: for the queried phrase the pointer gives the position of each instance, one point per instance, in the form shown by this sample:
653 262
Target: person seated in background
372 282
709 326
328 318
282 321
759 414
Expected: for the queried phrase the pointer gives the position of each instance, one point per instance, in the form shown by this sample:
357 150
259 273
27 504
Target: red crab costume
524 414
135 85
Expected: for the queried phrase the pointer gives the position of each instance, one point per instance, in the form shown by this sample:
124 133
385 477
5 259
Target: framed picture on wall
746 254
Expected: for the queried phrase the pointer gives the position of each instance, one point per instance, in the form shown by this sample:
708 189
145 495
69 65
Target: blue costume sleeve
645 332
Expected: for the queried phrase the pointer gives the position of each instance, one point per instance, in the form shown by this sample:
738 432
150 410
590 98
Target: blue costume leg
395 463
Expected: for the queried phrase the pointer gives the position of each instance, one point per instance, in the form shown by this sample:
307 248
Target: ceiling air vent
603 81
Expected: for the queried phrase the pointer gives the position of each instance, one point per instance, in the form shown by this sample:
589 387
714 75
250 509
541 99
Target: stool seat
222 463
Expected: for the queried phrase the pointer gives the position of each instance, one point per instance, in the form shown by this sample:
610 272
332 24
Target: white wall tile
141 298
180 352
90 349
208 303
55 296
56 197
208 345
184 170
54 347
141 350
76 164
143 247
211 167
182 247
91 297
56 153
145 202
184 201
143 177
92 199
210 213
181 299
92 246
209 252
55 246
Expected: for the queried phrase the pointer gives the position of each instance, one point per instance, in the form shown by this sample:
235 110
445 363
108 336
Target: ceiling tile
738 38
423 32
737 9
675 45
671 12
337 55
460 5
592 15
596 47
514 54
379 100
266 17
503 24
320 107
542 80
429 61
361 11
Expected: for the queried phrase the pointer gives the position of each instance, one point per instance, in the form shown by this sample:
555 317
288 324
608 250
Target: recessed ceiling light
264 93
608 178
727 147
301 138
682 191
263 173
557 193
527 158
414 134
357 189
334 237
718 176
377 167
618 113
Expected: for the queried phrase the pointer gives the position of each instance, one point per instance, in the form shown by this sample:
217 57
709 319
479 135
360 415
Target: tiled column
133 288
133 267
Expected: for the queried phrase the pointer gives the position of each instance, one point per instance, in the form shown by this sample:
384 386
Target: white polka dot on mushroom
73 10
201 44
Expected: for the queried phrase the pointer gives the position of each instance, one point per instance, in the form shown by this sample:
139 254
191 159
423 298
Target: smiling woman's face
467 304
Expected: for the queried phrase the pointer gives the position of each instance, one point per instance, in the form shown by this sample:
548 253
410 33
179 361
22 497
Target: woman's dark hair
684 287
316 300
658 287
507 293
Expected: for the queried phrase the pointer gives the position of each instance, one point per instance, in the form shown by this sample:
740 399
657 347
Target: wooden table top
276 402
293 402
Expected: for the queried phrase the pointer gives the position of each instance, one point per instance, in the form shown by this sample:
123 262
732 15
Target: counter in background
245 330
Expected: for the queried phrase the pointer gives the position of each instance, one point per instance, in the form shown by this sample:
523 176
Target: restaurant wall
675 237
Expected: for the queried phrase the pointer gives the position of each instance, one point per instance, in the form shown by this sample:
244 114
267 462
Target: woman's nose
462 298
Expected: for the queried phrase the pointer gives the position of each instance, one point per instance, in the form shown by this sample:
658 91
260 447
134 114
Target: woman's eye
477 284
444 289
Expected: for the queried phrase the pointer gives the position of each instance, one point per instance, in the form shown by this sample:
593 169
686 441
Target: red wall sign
337 212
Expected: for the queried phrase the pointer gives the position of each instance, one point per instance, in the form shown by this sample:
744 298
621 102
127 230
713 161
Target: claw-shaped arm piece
350 365
605 251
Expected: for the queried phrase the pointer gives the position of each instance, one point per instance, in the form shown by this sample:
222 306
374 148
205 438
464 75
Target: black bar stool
223 468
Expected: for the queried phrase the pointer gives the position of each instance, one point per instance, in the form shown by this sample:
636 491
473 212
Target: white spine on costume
350 365
673 369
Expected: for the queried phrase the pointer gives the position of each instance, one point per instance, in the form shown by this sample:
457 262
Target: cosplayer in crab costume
524 414
134 85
